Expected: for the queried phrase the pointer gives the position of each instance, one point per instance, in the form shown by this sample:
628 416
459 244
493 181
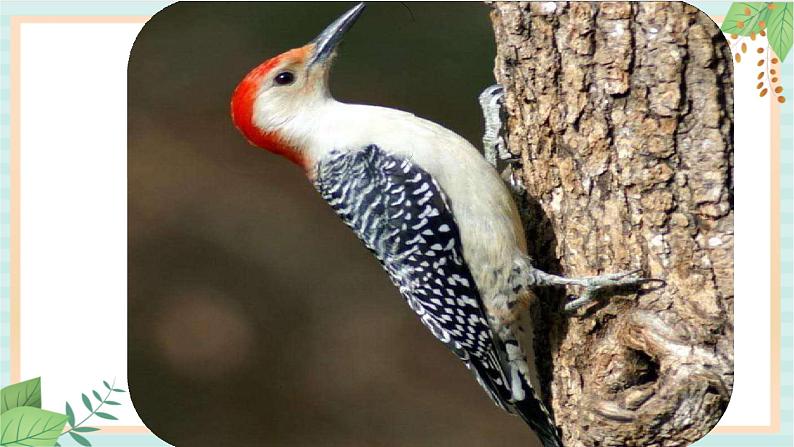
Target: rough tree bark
621 116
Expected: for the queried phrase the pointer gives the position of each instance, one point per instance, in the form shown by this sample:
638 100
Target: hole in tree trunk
645 368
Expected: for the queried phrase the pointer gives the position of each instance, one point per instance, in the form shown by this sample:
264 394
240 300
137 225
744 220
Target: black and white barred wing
402 216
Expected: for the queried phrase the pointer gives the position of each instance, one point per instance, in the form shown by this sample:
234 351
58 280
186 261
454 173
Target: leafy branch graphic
78 427
772 23
25 423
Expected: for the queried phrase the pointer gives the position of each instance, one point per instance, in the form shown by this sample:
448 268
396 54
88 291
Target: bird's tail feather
534 413
530 408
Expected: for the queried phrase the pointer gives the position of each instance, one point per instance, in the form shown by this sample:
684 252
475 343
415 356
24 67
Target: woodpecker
433 211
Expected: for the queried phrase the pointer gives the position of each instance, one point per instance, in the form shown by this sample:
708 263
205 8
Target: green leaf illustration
106 416
80 440
31 426
22 394
781 22
70 414
743 18
87 403
77 427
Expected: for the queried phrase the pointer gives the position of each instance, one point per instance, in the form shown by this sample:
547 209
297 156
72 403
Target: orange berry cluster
768 76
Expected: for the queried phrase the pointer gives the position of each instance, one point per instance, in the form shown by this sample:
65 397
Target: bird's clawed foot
492 102
494 91
593 284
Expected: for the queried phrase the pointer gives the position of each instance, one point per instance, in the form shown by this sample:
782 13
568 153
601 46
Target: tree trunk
621 115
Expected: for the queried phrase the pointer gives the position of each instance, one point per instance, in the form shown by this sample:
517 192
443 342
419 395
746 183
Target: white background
73 201
73 221
751 400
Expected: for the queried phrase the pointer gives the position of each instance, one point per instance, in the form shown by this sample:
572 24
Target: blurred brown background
255 316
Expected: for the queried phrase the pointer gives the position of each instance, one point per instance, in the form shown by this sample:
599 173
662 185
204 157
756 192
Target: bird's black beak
328 40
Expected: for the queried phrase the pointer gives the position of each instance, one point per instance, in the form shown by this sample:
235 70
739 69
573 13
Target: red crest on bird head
244 97
281 88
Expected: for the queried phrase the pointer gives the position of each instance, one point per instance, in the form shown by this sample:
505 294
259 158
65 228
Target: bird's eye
285 78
